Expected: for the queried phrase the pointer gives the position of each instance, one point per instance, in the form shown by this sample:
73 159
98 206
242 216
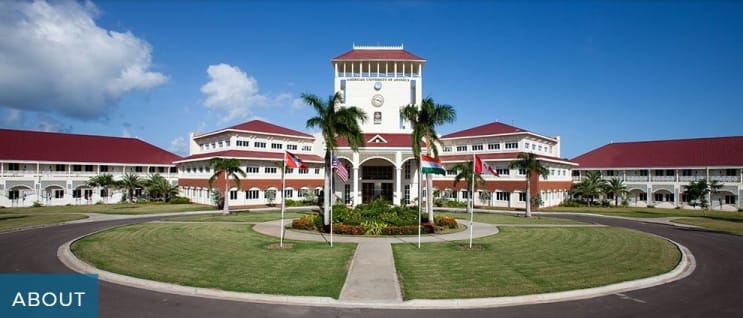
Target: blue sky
589 72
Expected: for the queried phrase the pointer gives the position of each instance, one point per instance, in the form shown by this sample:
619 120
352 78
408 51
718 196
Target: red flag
482 167
292 161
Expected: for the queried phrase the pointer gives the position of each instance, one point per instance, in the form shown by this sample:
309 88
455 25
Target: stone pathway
372 276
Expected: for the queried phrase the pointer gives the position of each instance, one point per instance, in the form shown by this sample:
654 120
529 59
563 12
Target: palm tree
230 168
590 187
528 162
697 190
335 121
104 181
464 172
617 187
161 187
423 120
130 182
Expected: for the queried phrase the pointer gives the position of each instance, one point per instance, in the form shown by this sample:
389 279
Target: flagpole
283 200
472 202
332 178
420 199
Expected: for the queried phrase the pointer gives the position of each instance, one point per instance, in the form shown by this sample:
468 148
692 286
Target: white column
395 69
335 68
398 178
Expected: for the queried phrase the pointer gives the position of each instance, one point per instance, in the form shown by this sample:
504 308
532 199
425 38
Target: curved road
715 289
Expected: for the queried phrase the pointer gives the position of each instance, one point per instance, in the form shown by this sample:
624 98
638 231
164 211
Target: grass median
242 217
521 261
223 256
495 218
116 208
13 221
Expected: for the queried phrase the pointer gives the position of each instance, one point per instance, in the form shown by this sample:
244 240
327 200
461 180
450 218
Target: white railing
725 178
637 178
664 178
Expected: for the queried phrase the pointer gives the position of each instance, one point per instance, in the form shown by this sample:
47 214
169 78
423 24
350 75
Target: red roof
701 152
260 126
495 156
379 140
59 147
382 54
494 128
252 155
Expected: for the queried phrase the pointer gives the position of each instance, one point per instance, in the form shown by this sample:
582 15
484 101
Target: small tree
464 172
528 162
714 189
104 181
617 187
590 187
159 187
230 167
696 191
130 182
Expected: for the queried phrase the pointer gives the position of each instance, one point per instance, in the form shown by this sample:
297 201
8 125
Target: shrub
374 227
445 221
37 204
455 204
572 204
179 200
307 222
651 206
100 202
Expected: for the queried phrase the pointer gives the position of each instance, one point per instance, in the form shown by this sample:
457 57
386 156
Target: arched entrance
377 180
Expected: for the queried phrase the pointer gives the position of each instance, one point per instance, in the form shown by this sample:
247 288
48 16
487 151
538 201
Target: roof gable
699 152
397 54
494 128
24 145
259 126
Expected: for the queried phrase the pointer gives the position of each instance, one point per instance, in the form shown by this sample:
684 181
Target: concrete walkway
372 277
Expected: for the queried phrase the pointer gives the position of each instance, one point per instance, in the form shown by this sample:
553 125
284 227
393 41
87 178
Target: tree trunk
226 205
327 193
528 197
429 197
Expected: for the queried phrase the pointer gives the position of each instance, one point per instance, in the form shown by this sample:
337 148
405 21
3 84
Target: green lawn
10 221
495 218
650 212
118 208
520 261
730 226
223 256
242 217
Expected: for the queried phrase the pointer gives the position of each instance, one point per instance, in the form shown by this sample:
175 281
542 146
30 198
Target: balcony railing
637 178
664 178
725 178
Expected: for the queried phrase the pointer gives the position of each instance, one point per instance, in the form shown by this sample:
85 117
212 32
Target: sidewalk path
372 277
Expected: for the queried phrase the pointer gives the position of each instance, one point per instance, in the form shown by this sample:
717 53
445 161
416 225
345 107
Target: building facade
380 81
655 172
54 168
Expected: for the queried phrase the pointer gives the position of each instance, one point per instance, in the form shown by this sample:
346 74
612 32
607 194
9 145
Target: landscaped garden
377 218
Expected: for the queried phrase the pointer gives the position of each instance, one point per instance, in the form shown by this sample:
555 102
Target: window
14 166
304 171
610 173
138 169
306 148
522 196
503 196
540 147
643 173
77 168
502 171
663 197
104 193
270 170
346 194
317 170
233 195
173 169
250 169
522 172
447 148
465 194
151 169
160 169
477 147
670 173
526 145
462 148
643 197
76 193
451 172
243 143
730 199
493 146
103 168
406 170
288 193
59 168
288 170
58 193
277 146
291 147
512 145
730 172
451 194
259 144
252 194
658 173
405 194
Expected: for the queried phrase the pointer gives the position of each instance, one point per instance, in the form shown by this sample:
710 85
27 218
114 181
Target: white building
656 172
54 168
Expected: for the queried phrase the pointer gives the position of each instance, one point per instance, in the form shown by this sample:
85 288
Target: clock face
378 85
377 100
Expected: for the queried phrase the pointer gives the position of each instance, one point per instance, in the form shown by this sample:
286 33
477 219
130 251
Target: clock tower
380 80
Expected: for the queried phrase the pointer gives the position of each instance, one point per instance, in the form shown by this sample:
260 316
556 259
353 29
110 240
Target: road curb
684 268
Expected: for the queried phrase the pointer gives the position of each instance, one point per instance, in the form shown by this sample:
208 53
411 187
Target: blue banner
48 296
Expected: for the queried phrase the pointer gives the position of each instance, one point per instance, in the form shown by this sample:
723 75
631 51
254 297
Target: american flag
340 169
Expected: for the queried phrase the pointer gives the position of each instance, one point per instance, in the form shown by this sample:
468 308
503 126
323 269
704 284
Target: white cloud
297 104
54 58
50 124
12 116
232 92
179 146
